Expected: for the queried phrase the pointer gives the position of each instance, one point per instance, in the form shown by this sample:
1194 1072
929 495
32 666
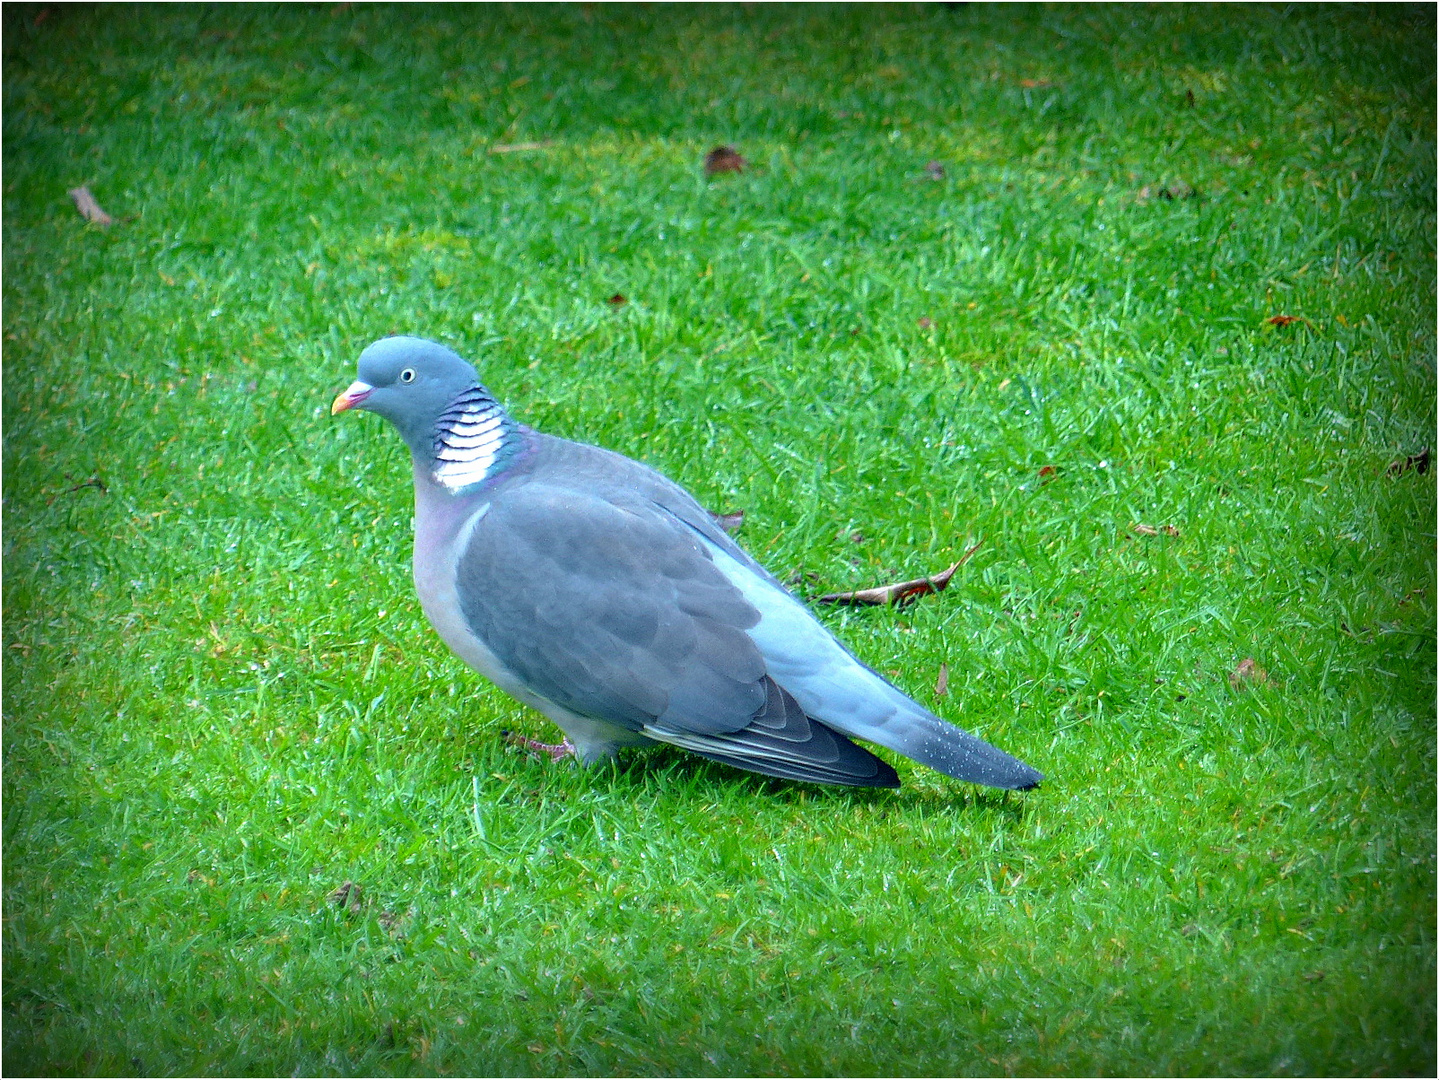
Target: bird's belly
440 601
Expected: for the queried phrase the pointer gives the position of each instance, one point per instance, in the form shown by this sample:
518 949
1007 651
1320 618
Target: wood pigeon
591 588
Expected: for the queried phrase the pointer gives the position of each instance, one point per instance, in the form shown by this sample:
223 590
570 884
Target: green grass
221 700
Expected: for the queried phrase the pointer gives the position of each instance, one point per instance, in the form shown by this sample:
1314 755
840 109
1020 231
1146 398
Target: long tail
841 692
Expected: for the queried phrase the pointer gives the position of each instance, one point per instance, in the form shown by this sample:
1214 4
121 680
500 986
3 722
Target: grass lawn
221 701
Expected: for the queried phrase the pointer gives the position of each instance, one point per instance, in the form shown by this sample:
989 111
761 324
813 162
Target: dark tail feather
954 751
782 741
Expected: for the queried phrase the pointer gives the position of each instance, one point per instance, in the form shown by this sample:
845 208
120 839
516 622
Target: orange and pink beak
355 393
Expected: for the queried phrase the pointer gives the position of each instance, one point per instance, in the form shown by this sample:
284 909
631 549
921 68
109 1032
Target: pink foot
555 751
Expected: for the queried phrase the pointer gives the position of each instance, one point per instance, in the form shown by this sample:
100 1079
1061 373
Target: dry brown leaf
1169 192
1246 674
926 323
1418 462
1285 320
724 159
346 896
1145 530
88 207
618 300
941 685
1047 473
901 592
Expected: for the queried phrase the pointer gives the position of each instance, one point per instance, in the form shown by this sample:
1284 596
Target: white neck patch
468 439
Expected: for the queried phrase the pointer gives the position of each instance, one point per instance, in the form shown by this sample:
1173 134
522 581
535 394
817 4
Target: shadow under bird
591 588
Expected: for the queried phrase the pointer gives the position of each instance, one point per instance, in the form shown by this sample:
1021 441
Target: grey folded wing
617 613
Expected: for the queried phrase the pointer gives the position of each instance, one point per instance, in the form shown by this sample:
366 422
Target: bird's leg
555 751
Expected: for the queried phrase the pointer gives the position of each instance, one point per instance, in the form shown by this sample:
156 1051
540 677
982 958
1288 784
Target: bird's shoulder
560 479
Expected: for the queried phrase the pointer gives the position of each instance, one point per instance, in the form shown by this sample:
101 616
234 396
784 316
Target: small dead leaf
902 592
926 323
1285 320
1418 462
346 896
88 207
729 522
934 170
1035 84
617 301
724 159
1247 673
1145 530
1170 192
941 685
1047 473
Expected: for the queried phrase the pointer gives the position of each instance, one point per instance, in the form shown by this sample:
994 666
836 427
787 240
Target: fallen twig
519 147
901 592
728 522
94 482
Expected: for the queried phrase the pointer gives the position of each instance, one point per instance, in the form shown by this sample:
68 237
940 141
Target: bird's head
456 431
410 382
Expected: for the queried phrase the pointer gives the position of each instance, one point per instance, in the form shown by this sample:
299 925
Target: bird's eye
408 375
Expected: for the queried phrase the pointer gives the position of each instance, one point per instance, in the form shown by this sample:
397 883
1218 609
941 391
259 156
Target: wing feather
615 615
